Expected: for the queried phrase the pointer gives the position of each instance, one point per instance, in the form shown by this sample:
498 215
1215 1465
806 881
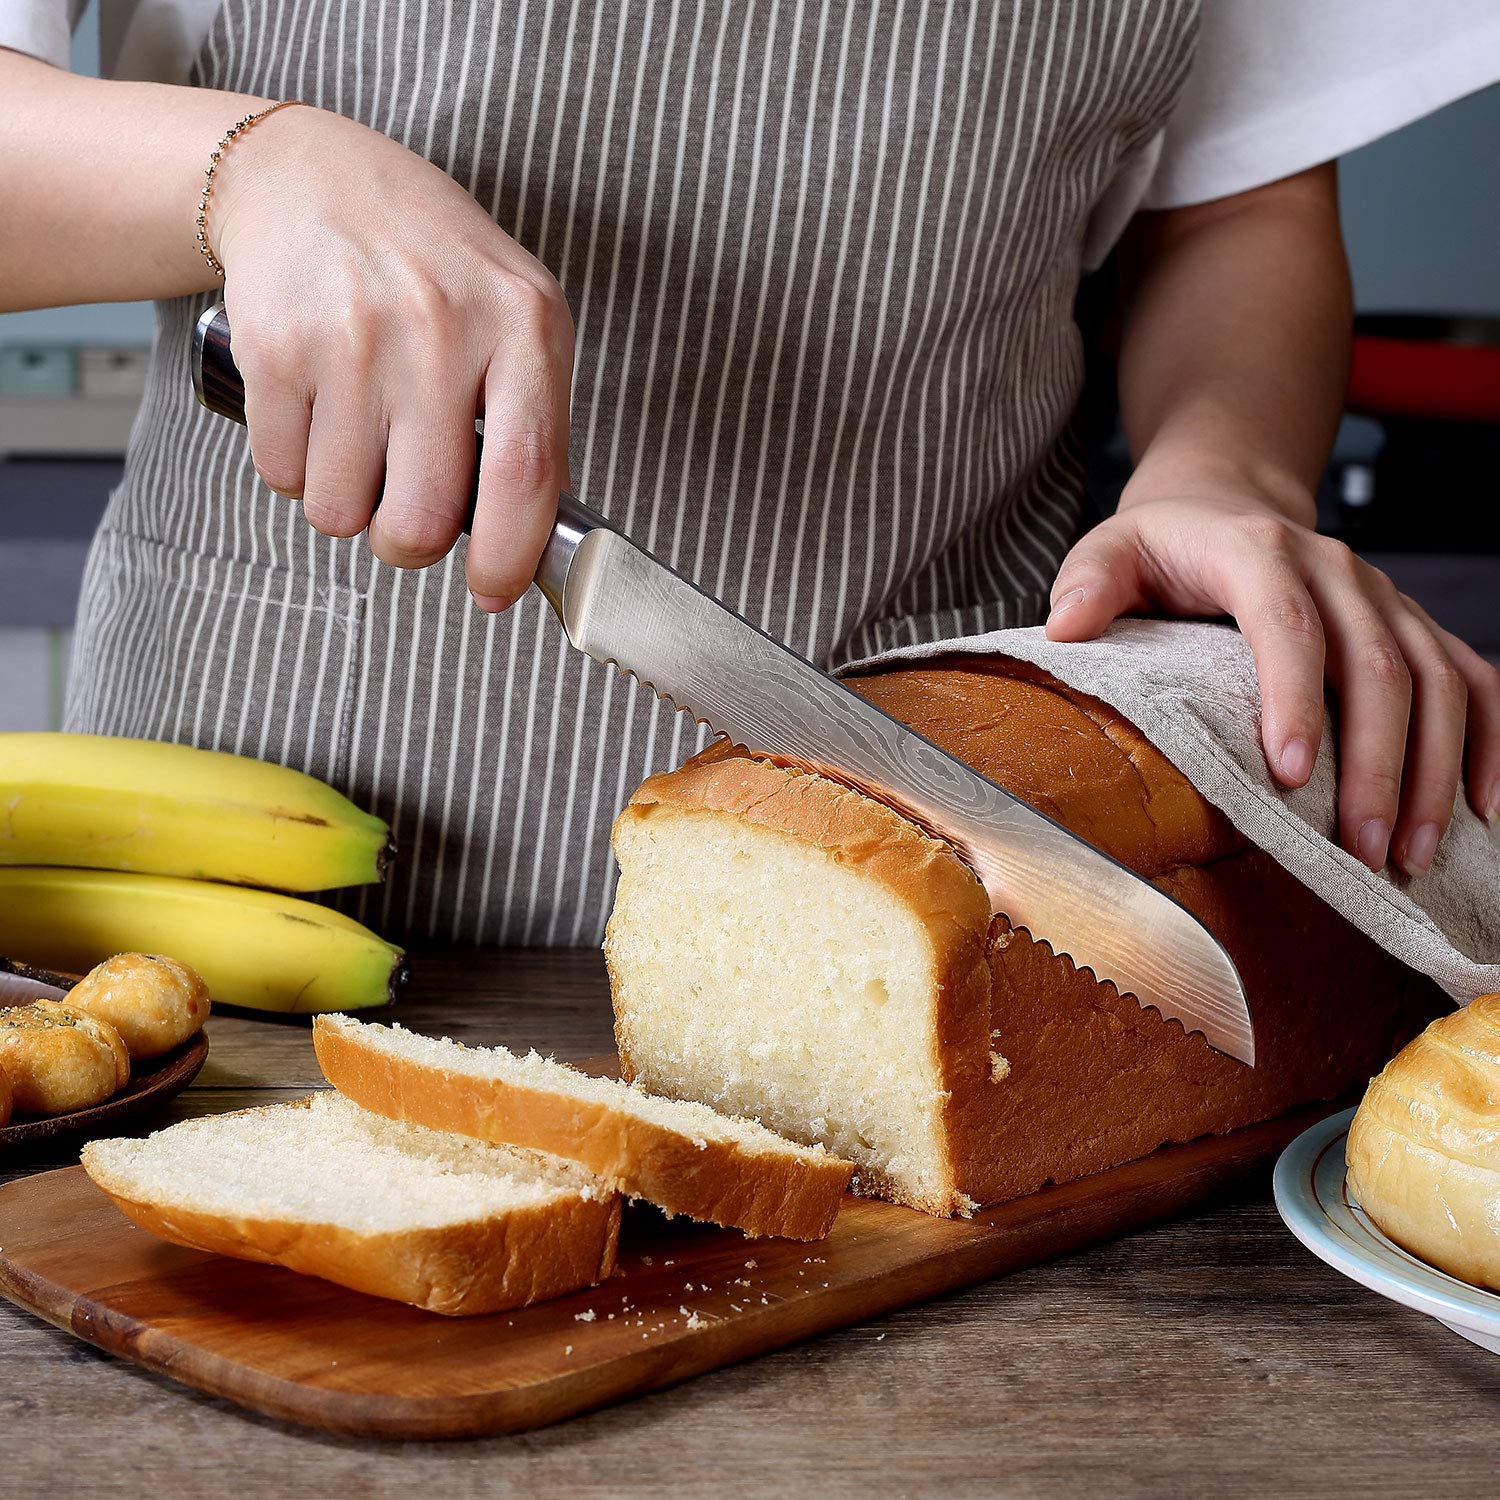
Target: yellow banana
254 948
117 804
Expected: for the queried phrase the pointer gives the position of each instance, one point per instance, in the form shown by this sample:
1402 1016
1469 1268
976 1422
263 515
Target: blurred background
1414 483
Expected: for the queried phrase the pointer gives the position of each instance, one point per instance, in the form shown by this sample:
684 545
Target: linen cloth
1191 689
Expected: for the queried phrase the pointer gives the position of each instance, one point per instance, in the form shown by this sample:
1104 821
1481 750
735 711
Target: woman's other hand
1418 708
377 311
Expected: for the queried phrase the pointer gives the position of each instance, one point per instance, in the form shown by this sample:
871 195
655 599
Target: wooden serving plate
151 1084
687 1298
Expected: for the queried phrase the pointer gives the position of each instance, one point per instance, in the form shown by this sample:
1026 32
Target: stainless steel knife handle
221 388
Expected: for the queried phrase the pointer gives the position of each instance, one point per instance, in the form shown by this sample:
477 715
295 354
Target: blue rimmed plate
1312 1196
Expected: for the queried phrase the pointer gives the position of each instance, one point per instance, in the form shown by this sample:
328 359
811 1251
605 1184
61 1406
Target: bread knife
628 609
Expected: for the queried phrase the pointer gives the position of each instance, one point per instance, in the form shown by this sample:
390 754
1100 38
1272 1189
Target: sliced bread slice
684 1157
324 1187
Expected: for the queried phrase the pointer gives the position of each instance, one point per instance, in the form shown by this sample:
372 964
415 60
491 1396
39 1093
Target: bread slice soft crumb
764 975
683 1156
326 1161
384 1206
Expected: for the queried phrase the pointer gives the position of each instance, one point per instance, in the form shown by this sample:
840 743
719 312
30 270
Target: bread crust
719 1182
1070 756
1424 1145
1090 1079
527 1255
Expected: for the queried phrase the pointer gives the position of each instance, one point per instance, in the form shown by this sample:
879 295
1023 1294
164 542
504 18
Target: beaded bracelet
237 129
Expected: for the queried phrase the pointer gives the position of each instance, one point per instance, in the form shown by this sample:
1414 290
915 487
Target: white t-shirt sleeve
40 28
1278 86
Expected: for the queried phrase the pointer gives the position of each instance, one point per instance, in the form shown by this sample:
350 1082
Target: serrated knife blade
626 608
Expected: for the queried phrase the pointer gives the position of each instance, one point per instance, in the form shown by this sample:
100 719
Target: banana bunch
109 845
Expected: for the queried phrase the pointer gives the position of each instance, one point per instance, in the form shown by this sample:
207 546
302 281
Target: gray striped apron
821 257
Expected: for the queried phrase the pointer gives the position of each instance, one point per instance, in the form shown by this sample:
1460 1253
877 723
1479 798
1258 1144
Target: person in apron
786 290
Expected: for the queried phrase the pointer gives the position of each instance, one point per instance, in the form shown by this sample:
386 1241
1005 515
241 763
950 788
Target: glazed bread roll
1424 1146
154 1003
58 1058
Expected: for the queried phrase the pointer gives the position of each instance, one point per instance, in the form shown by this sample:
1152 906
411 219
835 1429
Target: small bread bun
154 1003
58 1058
1424 1145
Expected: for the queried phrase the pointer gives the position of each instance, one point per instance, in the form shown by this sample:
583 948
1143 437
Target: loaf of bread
59 1058
323 1187
1424 1146
791 951
684 1157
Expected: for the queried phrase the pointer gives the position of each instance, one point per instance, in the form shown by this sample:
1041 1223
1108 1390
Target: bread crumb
694 1321
585 1317
750 1265
646 1260
999 1067
878 1337
568 1349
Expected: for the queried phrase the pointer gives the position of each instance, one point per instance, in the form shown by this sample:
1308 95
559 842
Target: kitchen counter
1211 1356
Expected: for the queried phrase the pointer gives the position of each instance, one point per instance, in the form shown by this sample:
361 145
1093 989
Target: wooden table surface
1213 1356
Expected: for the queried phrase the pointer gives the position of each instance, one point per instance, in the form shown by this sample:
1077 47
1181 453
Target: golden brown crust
154 1003
720 1182
1424 1146
59 1058
1093 1080
526 1256
1071 756
7 1099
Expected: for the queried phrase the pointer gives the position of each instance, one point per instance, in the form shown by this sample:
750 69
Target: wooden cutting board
687 1298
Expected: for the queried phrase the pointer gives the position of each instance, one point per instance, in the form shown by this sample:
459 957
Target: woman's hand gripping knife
377 308
1234 357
